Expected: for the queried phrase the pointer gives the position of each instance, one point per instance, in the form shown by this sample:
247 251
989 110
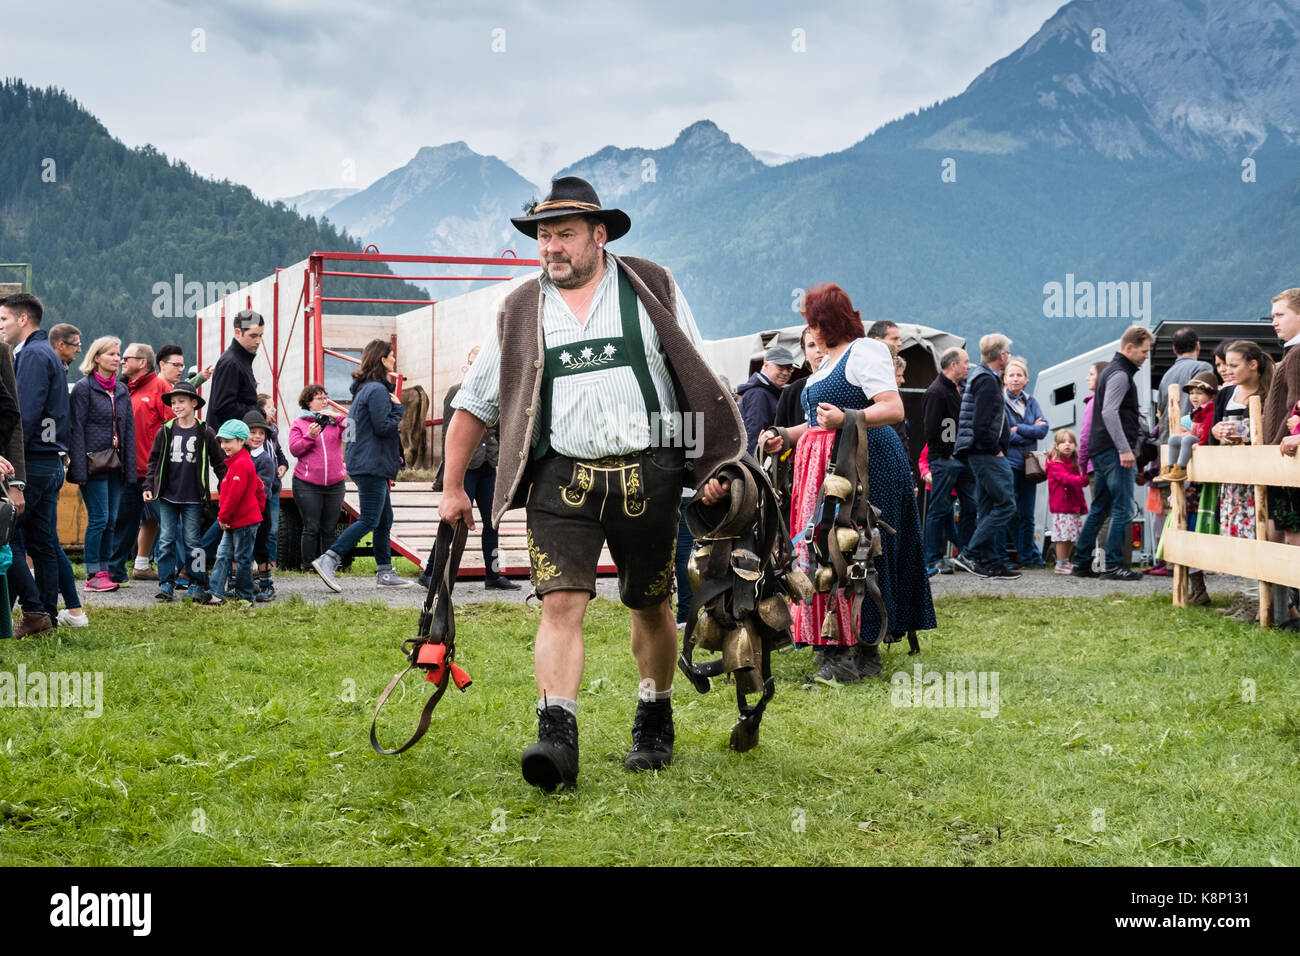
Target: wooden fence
1267 562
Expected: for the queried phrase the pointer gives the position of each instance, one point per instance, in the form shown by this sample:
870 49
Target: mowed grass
229 737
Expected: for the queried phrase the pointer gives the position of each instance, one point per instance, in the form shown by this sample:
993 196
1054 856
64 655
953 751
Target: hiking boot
325 566
144 574
836 665
1177 473
652 736
866 658
553 760
1120 574
1197 595
388 578
33 623
499 582
1164 477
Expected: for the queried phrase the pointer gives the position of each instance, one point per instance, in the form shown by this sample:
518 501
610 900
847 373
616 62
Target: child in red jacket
242 501
1065 483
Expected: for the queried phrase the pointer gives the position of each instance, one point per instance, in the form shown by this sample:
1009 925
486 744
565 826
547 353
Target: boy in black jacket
177 478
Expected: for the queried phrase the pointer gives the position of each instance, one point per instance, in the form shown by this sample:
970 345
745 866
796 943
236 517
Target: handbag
104 461
1035 469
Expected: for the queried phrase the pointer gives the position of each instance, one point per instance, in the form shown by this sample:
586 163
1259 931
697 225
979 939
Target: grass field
1126 734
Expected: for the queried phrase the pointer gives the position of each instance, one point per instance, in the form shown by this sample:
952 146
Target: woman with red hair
856 378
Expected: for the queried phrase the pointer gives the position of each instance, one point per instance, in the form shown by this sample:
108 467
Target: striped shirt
598 413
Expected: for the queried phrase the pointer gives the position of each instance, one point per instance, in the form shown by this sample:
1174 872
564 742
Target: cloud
291 94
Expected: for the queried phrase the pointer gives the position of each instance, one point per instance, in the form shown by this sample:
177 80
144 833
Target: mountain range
1153 142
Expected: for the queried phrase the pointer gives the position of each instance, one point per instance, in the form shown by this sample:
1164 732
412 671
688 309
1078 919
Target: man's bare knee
565 606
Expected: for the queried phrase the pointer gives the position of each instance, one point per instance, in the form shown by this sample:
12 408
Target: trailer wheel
289 539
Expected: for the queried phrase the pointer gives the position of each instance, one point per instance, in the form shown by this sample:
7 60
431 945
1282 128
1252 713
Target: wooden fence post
1255 404
1177 516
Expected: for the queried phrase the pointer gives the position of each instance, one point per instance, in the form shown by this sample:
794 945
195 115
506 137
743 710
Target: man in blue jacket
43 395
758 396
982 442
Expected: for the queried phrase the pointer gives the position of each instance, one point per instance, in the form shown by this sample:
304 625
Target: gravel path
358 588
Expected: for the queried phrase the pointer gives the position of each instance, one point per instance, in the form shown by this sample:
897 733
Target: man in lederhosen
590 374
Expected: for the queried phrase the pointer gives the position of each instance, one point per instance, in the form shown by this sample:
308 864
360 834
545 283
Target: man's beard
580 273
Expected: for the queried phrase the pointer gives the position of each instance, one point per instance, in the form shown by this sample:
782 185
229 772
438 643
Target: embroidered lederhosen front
631 501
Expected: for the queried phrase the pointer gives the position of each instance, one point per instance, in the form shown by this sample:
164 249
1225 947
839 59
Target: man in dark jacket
234 386
1117 421
940 410
759 395
982 442
43 394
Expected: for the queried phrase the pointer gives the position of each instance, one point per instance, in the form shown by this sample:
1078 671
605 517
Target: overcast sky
291 95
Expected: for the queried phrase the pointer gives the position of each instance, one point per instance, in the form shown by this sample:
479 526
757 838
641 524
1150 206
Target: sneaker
836 665
932 570
325 566
164 595
1120 574
1001 572
946 566
210 599
500 582
68 619
265 596
100 581
388 578
866 658
1063 567
144 574
1158 570
553 761
979 568
652 736
1083 569
963 563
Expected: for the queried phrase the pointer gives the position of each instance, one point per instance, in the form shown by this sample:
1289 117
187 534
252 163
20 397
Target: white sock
142 563
548 701
646 692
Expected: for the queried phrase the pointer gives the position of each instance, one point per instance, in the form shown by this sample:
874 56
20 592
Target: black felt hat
183 388
571 196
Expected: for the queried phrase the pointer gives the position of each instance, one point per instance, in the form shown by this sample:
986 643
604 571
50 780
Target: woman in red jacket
1065 484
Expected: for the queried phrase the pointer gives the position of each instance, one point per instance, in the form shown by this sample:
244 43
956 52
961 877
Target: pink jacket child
1065 484
320 459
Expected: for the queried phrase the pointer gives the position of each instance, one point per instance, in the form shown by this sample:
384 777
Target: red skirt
811 457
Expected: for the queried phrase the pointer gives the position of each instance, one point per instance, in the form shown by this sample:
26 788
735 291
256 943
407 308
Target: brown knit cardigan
519 332
1283 393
